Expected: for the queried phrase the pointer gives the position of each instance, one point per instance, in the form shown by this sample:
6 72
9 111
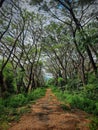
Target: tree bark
83 78
92 60
3 85
1 3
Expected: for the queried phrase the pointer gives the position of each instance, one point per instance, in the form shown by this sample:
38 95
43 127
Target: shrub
11 108
37 93
9 77
91 91
77 100
94 124
16 101
50 82
74 84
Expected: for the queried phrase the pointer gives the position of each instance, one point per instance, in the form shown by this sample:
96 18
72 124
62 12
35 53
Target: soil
47 114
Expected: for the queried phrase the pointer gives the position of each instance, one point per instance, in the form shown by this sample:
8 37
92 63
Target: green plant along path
12 108
47 114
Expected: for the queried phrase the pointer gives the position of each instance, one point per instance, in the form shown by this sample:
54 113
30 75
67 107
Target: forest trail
47 114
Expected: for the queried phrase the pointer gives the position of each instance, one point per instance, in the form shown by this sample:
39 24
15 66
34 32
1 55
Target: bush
37 93
92 79
94 124
77 100
50 82
9 107
19 100
91 91
74 84
9 78
80 102
16 101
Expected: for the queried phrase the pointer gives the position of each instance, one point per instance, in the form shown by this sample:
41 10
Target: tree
20 45
75 15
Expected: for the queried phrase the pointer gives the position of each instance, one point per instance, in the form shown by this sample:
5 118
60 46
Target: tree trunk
91 60
1 3
83 78
30 78
3 85
33 83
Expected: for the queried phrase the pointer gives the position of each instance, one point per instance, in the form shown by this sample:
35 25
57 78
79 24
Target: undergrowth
13 107
79 100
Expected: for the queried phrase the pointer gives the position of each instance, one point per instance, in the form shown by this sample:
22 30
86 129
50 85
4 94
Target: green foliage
74 84
19 100
94 124
65 107
9 77
4 125
60 79
50 81
14 106
19 80
90 90
92 79
37 93
16 101
12 79
10 39
77 100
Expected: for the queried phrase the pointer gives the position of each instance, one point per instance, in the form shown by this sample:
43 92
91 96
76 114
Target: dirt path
47 114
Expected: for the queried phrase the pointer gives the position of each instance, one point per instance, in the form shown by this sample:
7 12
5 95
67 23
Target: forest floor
47 114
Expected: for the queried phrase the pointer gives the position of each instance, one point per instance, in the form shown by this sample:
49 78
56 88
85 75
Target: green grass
79 100
94 124
12 108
